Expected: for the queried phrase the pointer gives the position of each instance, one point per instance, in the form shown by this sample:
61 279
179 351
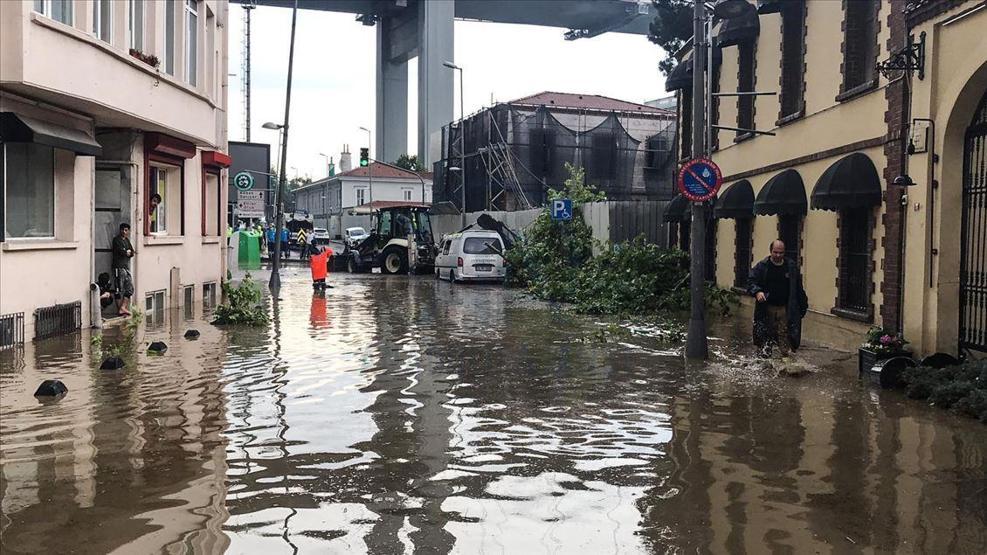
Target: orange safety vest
320 264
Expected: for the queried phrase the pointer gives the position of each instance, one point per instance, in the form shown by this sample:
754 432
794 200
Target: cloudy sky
334 79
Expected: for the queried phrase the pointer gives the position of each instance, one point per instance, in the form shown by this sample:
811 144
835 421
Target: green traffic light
364 162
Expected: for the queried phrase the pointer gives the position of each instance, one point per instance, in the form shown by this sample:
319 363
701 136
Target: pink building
103 105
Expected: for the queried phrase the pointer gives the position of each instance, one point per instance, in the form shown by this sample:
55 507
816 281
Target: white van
473 255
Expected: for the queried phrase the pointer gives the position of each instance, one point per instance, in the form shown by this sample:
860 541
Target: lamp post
370 170
275 282
462 136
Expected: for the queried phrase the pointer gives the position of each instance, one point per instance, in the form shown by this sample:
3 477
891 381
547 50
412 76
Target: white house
328 200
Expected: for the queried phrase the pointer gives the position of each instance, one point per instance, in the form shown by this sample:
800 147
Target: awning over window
739 29
851 182
681 76
768 6
215 159
678 210
15 128
783 194
737 202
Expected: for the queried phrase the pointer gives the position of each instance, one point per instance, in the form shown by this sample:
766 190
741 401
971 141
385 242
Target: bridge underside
424 29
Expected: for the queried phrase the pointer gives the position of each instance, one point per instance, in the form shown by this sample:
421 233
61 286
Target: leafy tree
409 162
671 28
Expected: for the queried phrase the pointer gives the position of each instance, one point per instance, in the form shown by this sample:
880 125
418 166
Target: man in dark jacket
123 251
776 285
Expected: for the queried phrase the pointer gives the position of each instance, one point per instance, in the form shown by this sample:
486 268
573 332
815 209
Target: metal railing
58 319
11 330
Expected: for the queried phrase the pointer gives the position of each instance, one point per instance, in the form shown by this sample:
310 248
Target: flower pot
868 358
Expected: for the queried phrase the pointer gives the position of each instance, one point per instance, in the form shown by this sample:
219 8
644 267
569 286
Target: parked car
320 236
472 255
353 236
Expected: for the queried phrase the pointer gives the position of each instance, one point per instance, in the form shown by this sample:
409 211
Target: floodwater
406 415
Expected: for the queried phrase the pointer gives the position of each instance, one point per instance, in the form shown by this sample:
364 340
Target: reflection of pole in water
280 369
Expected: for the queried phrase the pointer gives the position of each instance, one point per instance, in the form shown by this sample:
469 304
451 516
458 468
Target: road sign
250 204
562 209
700 179
243 181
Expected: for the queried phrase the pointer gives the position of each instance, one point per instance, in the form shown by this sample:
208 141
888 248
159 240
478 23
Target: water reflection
393 415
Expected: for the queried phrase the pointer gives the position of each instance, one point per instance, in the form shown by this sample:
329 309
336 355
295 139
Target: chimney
345 160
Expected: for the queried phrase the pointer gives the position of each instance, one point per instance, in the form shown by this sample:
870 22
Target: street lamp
370 170
462 135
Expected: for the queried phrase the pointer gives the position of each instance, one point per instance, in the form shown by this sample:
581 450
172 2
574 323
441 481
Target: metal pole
462 143
696 343
275 283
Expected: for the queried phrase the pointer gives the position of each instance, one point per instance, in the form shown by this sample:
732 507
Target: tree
671 28
409 163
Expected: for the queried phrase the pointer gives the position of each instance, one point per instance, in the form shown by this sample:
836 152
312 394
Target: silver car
354 236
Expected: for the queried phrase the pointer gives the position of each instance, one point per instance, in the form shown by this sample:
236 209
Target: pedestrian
781 304
285 235
269 236
319 263
123 251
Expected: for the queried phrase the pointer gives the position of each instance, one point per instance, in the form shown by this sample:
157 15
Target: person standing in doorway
123 251
781 304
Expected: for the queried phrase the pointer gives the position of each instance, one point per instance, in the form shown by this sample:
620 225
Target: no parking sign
700 179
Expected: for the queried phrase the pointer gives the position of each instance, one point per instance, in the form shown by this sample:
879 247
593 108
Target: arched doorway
973 248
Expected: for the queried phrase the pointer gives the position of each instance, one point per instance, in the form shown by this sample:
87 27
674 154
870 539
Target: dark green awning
851 182
15 128
783 194
768 6
739 29
678 210
737 202
681 76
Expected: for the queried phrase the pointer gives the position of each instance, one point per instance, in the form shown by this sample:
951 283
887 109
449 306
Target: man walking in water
776 285
123 251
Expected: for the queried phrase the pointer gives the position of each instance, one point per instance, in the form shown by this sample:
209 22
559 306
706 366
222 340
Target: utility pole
696 346
245 68
275 283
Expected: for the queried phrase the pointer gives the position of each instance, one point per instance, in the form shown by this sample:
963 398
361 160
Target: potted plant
148 59
881 344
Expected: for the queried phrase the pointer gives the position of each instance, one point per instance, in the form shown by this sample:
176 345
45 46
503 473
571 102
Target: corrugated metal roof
588 102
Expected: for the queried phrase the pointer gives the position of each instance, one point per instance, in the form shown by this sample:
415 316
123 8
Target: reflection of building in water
771 473
130 460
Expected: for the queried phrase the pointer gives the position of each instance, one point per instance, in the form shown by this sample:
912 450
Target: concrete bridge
424 29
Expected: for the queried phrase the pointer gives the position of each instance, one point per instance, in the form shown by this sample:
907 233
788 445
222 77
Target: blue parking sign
562 209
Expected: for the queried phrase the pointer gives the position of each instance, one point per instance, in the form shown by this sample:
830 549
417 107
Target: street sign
700 179
243 181
562 209
250 204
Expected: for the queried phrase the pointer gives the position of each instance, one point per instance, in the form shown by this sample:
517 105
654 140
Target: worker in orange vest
319 262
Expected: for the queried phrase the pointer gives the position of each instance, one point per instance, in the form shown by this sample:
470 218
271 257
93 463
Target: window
407 194
742 251
714 109
540 145
210 205
482 245
209 294
188 292
29 182
191 41
137 25
361 197
154 302
792 58
859 43
604 161
685 116
102 19
790 232
169 50
165 183
745 83
855 279
446 245
59 10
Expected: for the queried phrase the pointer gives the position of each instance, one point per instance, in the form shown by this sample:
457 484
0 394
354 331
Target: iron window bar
742 130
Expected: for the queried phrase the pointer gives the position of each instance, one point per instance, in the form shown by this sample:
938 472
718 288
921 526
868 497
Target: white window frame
136 24
5 204
169 38
99 26
361 197
191 20
407 194
44 7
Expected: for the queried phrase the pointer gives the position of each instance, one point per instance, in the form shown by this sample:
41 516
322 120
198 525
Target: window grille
742 252
789 231
58 319
11 330
859 43
792 56
855 234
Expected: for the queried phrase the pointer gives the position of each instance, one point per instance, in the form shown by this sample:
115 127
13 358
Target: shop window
792 57
59 10
136 24
745 83
164 201
855 262
742 251
859 43
103 19
29 190
211 217
789 231
604 161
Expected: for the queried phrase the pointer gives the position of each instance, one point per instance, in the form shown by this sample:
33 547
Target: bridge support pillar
435 82
392 100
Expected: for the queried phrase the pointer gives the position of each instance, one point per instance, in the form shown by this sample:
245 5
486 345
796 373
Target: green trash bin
248 253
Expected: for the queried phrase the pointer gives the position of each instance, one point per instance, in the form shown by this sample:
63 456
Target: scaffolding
512 155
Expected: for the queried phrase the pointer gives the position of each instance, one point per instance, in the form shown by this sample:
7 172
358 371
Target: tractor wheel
395 262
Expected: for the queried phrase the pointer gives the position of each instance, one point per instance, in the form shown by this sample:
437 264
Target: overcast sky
334 79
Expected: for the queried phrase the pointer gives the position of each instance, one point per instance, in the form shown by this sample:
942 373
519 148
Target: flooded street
397 416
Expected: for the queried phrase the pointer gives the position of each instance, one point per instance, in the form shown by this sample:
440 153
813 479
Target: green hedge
962 388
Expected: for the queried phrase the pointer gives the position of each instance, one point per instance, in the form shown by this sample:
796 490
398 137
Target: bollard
192 334
112 363
51 388
157 348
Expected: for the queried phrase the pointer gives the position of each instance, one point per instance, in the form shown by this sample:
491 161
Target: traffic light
364 157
